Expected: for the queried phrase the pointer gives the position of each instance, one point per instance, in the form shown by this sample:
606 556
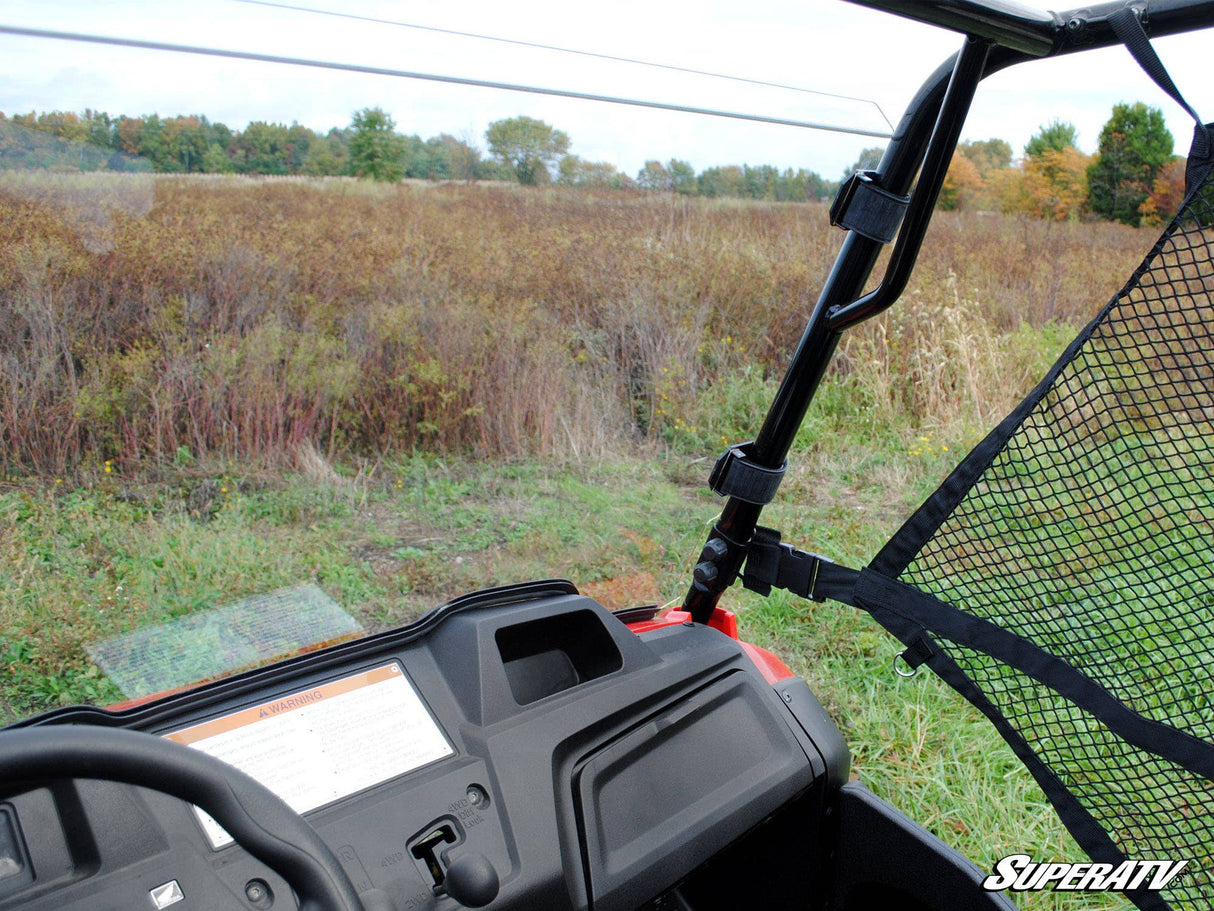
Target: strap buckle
770 563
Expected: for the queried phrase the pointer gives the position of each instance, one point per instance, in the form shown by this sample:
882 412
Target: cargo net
1082 531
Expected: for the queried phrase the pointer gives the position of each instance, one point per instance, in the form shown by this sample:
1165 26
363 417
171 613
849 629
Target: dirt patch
624 591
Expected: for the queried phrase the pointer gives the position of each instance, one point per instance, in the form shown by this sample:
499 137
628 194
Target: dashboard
515 748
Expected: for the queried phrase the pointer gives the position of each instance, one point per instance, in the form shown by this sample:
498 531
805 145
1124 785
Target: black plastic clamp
736 475
864 207
770 564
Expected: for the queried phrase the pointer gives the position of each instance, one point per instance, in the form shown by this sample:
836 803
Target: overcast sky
832 47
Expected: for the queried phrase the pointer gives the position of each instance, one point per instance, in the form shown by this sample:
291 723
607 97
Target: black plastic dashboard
524 737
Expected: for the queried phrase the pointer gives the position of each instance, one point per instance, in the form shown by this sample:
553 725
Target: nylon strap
771 564
1127 26
912 615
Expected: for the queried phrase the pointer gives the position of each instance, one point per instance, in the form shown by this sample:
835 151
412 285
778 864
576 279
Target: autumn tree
1056 183
299 143
326 155
726 181
961 185
263 148
1166 194
66 125
58 140
420 160
974 170
1051 180
987 155
683 177
577 172
1134 145
215 160
376 151
654 177
186 140
100 128
526 145
463 158
802 185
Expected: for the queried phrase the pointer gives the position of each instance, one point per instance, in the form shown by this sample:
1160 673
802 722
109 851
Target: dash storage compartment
681 786
552 654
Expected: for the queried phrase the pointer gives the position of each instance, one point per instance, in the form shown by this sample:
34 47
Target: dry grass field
145 317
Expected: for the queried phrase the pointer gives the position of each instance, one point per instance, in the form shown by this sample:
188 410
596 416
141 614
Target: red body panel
772 668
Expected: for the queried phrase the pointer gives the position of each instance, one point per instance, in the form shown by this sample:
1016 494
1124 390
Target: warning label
321 744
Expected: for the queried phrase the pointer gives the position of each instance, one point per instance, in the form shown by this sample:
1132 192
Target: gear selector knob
471 880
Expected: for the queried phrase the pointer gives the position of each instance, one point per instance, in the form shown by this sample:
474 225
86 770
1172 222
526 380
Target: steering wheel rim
260 821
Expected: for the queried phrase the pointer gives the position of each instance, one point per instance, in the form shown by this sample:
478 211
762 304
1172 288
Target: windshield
292 353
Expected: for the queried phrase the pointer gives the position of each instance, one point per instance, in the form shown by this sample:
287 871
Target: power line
430 77
565 50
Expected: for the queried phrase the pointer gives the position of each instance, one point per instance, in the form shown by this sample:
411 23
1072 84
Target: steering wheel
259 820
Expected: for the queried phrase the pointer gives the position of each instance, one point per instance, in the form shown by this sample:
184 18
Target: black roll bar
1012 25
1042 33
925 139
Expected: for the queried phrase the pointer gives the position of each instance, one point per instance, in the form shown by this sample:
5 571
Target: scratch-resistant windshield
314 318
250 306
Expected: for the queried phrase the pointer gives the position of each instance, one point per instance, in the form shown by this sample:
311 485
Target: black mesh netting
1070 560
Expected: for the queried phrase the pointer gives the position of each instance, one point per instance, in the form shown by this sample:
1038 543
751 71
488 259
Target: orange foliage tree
1058 183
1052 184
1166 194
962 184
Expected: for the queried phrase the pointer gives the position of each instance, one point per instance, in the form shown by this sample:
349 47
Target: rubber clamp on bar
736 475
864 207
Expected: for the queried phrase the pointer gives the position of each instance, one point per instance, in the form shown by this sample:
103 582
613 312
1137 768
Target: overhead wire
430 77
273 4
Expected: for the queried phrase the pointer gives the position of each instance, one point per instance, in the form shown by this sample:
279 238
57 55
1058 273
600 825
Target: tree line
1134 177
520 149
194 144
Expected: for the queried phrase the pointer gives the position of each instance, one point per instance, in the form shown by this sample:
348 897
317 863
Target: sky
832 47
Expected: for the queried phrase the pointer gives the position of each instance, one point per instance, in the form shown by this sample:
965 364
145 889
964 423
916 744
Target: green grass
81 565
87 563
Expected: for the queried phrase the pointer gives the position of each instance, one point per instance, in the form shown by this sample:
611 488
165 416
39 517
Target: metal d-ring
910 671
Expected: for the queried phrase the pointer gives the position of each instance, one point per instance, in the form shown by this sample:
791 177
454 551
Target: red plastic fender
725 621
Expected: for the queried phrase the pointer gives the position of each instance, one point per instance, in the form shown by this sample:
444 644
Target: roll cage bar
997 34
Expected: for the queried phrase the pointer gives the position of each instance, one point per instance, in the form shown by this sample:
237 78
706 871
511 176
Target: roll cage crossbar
997 35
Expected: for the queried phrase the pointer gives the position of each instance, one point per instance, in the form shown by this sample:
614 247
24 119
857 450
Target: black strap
1128 28
914 616
1087 831
737 475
